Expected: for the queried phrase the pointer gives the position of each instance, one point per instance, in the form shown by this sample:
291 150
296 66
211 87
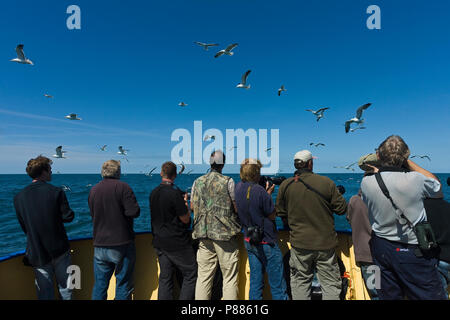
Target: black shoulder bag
423 231
254 232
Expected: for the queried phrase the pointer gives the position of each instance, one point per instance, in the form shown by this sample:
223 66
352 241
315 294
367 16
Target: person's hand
374 169
269 189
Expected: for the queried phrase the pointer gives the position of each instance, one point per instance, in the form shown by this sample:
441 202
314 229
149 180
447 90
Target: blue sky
132 62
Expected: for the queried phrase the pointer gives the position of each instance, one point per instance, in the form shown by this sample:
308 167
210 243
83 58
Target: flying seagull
182 104
72 116
47 95
209 138
318 113
349 167
268 149
59 153
358 118
316 144
243 83
182 168
281 90
122 151
104 147
354 129
21 56
206 45
422 157
66 188
226 51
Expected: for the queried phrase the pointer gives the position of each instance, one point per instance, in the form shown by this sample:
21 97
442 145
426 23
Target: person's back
113 207
310 215
394 196
307 201
216 226
41 209
214 217
170 221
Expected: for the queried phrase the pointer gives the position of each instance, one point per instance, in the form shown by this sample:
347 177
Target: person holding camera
170 220
216 226
257 215
395 197
307 202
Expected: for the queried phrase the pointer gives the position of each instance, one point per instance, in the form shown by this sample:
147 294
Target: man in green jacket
306 202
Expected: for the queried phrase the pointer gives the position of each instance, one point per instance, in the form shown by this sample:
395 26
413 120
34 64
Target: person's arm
182 209
338 203
415 167
231 193
66 212
19 215
192 196
280 206
268 205
130 204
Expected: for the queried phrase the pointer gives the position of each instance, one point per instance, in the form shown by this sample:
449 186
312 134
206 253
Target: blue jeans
44 278
444 272
265 257
118 259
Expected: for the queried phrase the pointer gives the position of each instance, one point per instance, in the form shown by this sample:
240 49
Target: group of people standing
196 250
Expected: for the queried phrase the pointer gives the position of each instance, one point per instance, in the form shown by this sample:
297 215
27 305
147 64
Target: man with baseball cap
307 202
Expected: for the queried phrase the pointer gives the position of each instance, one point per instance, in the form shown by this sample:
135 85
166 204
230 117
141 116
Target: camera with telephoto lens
255 235
272 181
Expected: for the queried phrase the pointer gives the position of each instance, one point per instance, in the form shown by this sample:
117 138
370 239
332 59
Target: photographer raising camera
257 215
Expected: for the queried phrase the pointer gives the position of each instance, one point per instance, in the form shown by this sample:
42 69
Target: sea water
12 238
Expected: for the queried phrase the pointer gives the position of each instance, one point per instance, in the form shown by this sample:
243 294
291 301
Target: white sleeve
231 188
431 187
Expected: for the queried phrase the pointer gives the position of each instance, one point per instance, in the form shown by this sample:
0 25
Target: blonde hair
250 170
393 151
111 169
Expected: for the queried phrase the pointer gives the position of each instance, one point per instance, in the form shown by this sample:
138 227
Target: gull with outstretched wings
282 89
227 51
421 157
104 147
358 118
349 167
209 138
206 45
318 113
182 104
317 144
243 83
21 56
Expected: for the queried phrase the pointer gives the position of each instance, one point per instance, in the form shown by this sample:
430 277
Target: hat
371 159
304 156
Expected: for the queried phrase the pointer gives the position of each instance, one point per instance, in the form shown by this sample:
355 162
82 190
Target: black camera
272 181
341 189
255 235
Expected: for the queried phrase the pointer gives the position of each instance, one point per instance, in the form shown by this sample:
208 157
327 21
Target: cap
371 159
304 156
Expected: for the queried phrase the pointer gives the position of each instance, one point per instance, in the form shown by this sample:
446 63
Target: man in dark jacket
41 210
113 207
172 239
307 201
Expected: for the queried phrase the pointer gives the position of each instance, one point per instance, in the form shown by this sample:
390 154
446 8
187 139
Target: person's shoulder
286 181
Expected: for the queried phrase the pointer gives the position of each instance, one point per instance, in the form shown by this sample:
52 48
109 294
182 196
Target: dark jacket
438 214
41 209
113 207
310 217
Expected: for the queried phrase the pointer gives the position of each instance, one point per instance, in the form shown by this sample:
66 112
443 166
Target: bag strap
385 191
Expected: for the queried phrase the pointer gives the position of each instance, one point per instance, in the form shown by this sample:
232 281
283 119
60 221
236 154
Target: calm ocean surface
12 239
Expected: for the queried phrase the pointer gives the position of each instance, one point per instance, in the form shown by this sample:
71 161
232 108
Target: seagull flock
228 51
